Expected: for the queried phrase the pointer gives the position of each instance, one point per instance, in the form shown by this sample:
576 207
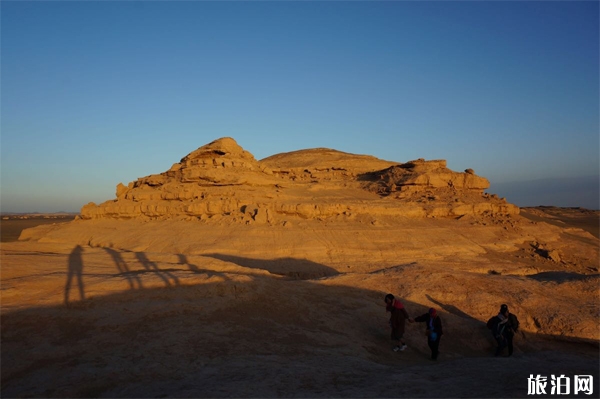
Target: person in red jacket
397 320
434 331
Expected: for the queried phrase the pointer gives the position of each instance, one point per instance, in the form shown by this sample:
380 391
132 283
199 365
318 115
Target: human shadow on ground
294 268
151 266
132 278
264 337
183 260
75 271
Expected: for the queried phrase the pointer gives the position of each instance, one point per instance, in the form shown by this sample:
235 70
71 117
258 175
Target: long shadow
123 268
183 260
75 271
259 338
453 310
151 266
561 276
393 269
294 268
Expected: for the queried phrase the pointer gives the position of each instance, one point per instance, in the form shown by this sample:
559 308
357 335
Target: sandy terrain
293 311
565 217
12 226
231 277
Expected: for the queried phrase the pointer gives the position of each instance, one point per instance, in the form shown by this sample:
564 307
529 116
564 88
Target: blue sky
97 93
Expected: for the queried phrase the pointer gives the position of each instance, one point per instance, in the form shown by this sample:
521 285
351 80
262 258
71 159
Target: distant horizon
550 193
564 192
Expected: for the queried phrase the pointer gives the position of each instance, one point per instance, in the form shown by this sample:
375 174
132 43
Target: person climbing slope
398 319
433 331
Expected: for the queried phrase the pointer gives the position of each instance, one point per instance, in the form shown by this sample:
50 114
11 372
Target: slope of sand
231 277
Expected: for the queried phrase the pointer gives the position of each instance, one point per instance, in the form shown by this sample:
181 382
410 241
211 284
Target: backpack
491 322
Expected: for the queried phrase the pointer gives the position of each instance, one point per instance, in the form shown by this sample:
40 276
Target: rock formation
222 180
279 243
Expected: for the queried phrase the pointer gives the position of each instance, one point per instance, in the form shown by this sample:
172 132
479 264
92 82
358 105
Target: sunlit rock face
222 181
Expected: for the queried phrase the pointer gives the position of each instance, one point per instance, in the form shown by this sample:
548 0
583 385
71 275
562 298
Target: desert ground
13 225
226 277
243 316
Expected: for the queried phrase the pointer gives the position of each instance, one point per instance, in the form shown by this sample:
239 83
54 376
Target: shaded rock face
221 180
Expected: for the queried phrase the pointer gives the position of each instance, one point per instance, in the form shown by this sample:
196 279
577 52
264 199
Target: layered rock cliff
221 180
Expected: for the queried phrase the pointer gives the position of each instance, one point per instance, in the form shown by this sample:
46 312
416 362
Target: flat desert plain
178 309
13 225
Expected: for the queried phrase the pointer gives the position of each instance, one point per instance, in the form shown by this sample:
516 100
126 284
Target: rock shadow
294 268
561 276
453 310
373 176
392 269
242 339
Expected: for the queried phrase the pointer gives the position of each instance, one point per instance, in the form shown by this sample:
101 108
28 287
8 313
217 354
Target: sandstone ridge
221 180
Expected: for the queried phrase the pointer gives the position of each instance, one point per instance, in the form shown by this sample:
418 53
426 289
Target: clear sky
97 93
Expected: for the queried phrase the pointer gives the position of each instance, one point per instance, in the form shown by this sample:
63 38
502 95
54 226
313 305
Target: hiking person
503 327
434 330
511 326
497 326
397 320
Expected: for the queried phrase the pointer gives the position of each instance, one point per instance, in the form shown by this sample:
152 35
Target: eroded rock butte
222 180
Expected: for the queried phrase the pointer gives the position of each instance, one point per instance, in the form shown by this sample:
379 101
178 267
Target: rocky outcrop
221 180
322 164
420 175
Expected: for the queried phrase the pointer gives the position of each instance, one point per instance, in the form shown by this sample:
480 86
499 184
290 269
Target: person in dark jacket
511 326
434 331
397 320
504 326
497 326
